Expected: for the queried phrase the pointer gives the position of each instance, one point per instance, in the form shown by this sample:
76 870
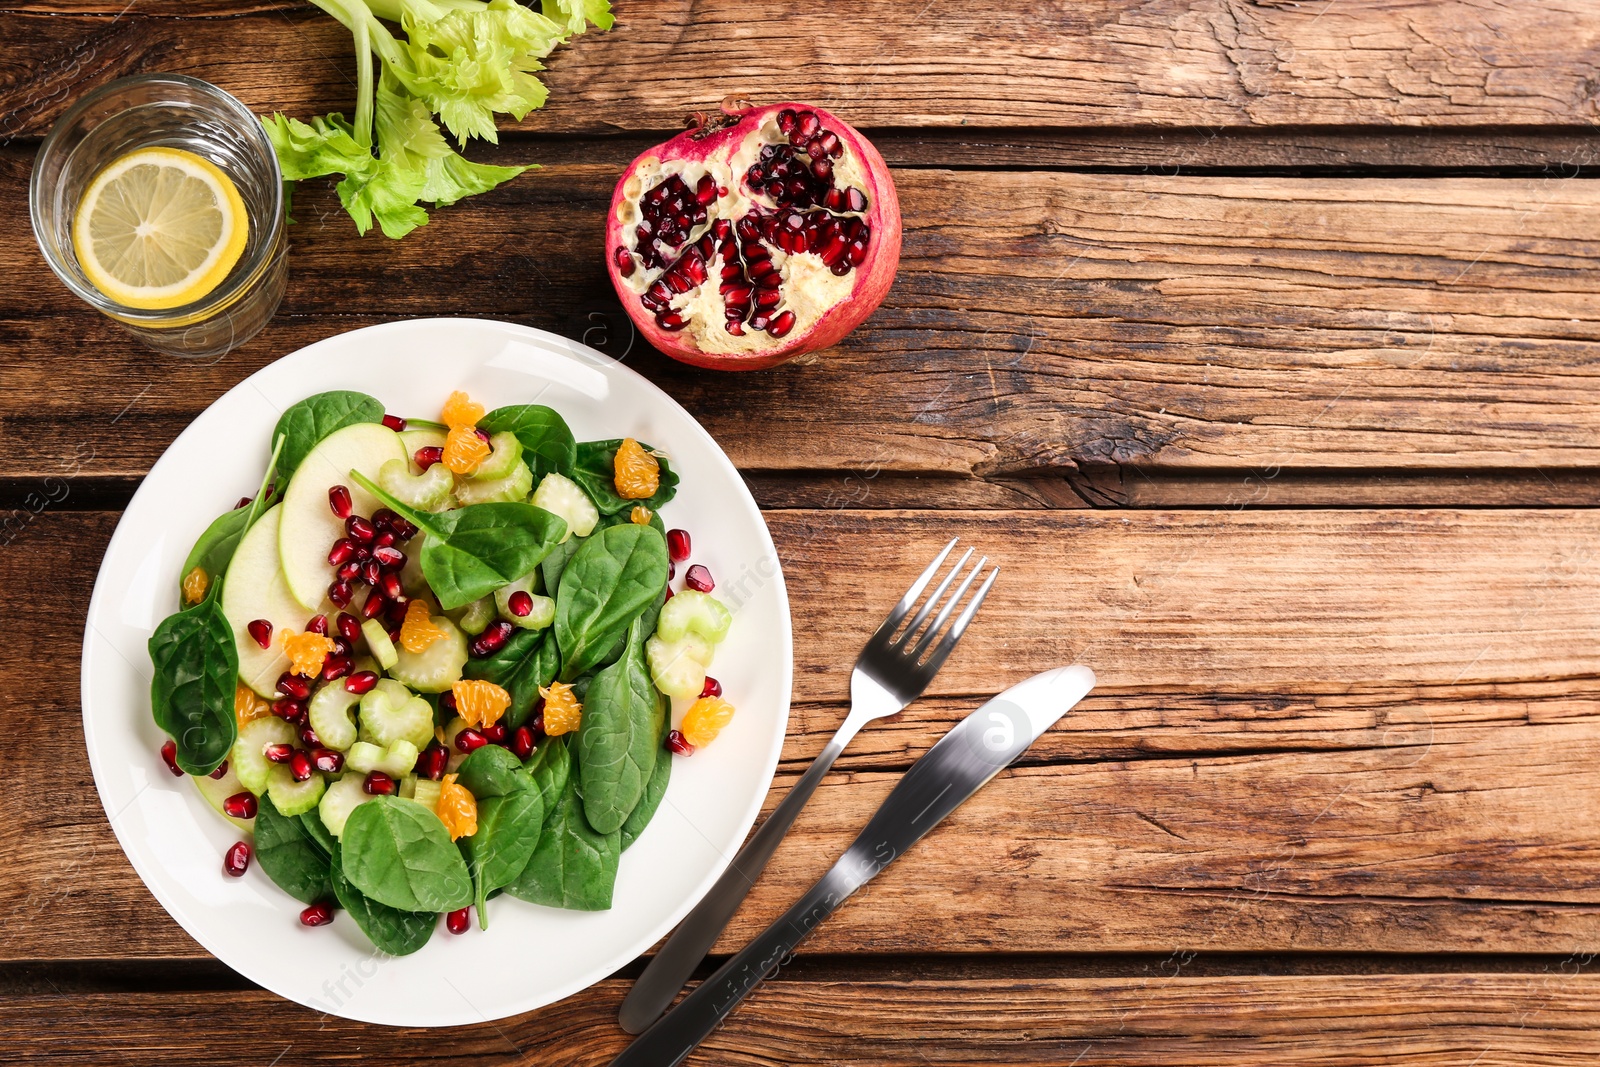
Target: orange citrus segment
460 411
637 474
705 719
195 584
457 808
248 707
640 515
418 631
306 652
480 703
562 712
464 450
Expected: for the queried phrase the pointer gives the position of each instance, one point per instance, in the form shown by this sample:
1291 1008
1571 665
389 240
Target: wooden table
1261 344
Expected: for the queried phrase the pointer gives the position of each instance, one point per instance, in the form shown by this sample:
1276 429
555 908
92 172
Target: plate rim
605 967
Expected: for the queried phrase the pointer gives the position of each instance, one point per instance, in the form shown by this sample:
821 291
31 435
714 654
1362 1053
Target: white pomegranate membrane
753 242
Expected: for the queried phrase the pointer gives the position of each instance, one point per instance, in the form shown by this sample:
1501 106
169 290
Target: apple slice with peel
216 790
254 588
308 527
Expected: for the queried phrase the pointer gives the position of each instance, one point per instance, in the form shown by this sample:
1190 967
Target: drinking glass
174 111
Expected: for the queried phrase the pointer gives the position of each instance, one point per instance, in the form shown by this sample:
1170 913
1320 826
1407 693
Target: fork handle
688 945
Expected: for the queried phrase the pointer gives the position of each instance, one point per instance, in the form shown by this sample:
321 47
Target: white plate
529 956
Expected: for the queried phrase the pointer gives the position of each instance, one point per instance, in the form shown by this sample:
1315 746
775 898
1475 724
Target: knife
964 760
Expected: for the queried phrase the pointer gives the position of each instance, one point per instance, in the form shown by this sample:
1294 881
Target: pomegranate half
754 236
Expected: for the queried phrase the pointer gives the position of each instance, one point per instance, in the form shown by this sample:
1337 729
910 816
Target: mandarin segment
480 703
195 584
705 719
464 450
247 706
457 808
636 473
306 652
460 411
562 712
418 631
640 515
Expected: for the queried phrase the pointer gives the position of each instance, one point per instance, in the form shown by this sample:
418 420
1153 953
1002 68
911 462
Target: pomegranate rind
872 278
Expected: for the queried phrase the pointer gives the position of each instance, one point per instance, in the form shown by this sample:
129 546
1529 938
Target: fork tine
910 632
889 624
949 606
941 651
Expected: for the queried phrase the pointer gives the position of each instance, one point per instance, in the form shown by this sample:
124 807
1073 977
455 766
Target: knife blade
964 760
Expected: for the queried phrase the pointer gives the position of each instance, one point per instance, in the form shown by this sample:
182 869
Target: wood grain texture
1116 62
1354 731
1164 1018
1252 325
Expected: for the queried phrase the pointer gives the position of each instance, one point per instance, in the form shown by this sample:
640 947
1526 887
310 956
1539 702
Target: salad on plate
433 662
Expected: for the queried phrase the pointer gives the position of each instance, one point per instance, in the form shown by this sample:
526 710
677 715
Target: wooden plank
1352 731
1106 62
1242 324
1164 1018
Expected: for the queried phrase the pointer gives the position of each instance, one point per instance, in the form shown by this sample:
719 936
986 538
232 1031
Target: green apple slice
216 790
308 527
255 589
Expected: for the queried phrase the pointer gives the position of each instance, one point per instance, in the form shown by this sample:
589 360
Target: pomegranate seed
521 604
536 724
278 753
782 324
712 688
390 581
667 597
786 120
678 744
431 764
672 572
374 605
293 685
359 529
395 613
348 572
521 742
341 552
341 593
169 754
236 860
300 766
624 262
447 701
244 502
309 738
494 734
493 638
678 545
697 577
383 520
290 710
395 423
261 631
470 740
240 806
402 528
341 647
388 558
371 573
459 921
385 539
349 628
320 914
327 760
361 682
379 784
339 500
317 624
220 773
335 668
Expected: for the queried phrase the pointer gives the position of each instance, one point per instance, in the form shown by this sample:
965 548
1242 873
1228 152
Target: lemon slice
159 228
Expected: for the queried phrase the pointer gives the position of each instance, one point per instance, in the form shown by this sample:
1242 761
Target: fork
893 670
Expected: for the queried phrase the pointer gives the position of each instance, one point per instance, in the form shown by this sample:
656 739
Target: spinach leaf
491 771
289 855
615 575
573 866
547 444
472 551
396 932
526 662
398 853
607 521
654 790
548 769
314 418
191 692
196 667
594 468
319 834
508 831
619 737
214 551
556 562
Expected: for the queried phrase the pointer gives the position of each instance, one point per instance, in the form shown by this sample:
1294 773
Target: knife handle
677 1033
